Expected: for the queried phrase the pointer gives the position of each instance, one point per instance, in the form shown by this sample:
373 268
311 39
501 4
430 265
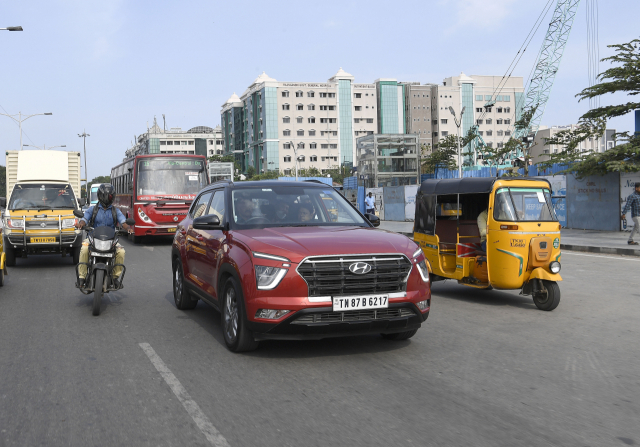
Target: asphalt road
487 368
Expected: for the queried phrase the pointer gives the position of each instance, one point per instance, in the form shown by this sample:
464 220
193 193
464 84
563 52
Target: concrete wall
593 203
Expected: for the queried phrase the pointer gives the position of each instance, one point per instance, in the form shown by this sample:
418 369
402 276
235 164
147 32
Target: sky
109 67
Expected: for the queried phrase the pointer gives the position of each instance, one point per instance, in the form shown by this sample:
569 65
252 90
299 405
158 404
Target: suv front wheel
234 321
181 295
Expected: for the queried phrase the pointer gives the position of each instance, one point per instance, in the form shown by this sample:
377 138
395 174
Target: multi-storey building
540 151
273 122
491 102
201 140
419 114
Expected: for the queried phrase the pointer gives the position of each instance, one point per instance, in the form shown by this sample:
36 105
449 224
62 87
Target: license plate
40 240
171 230
360 302
102 255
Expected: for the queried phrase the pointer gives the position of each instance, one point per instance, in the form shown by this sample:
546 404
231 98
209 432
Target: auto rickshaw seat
447 232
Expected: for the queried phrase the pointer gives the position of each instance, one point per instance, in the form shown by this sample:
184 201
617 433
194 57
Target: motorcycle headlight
423 270
554 267
102 245
143 216
68 223
268 278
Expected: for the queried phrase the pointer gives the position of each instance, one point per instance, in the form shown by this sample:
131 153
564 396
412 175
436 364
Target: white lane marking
598 256
202 421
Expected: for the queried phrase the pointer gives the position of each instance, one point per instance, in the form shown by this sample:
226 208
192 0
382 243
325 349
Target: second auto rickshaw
492 233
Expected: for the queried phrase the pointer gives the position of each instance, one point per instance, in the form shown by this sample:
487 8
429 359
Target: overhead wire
14 122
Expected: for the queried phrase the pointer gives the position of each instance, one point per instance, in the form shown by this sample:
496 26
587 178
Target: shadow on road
481 296
54 261
149 241
209 319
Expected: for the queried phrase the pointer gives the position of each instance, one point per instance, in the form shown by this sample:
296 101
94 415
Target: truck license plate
40 240
341 303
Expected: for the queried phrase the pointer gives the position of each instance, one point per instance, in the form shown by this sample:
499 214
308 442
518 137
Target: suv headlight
268 278
102 245
143 216
423 270
68 223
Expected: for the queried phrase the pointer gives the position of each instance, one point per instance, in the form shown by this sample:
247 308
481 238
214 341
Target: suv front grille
354 315
330 275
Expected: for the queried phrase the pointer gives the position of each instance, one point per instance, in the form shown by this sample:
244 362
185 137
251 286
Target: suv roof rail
316 181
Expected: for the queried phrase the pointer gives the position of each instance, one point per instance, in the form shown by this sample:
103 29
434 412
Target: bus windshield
170 176
42 197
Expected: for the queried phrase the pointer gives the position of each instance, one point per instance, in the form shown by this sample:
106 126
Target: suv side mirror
78 213
82 201
375 220
130 221
209 222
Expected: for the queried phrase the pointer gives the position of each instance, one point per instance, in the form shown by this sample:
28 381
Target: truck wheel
10 254
400 335
552 299
237 336
76 255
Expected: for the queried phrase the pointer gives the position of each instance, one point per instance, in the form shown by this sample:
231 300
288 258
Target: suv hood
296 243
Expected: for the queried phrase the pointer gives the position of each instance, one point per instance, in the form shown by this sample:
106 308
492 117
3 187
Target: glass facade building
345 129
388 160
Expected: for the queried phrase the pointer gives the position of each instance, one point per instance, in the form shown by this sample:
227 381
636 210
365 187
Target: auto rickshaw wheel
552 298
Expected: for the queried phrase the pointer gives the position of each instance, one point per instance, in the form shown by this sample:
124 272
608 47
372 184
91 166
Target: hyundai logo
360 268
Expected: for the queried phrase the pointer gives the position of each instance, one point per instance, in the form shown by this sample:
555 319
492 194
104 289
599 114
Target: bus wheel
552 298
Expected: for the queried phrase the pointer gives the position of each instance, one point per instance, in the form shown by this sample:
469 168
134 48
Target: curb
605 250
585 248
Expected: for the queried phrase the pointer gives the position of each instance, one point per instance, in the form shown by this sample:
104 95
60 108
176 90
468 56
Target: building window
489 133
356 120
312 133
333 146
480 133
487 109
499 121
287 158
300 145
299 94
300 133
327 95
286 146
311 107
299 120
445 133
435 134
507 121
313 145
163 143
286 133
285 94
507 110
301 158
479 109
311 94
506 98
443 121
299 107
478 97
487 97
507 132
500 145
285 106
478 122
311 120
286 120
358 108
328 120
313 158
324 146
499 133
327 107
488 121
490 144
499 110
370 120
358 95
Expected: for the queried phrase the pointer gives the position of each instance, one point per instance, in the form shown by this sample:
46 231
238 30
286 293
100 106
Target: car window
201 205
217 204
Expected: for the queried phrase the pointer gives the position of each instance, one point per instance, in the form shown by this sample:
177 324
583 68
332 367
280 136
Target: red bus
157 190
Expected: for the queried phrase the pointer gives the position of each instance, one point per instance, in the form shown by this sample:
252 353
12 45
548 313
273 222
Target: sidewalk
611 242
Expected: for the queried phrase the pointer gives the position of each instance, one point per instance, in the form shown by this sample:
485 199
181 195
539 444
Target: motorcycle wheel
97 292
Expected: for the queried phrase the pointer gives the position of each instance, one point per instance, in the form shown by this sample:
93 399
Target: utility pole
84 136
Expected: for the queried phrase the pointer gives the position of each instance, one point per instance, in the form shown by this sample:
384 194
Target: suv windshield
283 206
524 204
42 196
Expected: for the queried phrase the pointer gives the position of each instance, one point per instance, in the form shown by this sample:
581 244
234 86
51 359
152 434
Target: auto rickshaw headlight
554 267
422 269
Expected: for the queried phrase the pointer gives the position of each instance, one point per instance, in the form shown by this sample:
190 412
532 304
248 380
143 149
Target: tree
251 171
624 157
444 154
101 179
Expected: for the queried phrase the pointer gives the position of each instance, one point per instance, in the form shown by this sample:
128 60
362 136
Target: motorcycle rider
103 214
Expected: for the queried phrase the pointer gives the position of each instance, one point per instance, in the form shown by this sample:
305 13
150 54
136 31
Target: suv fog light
423 305
271 314
554 267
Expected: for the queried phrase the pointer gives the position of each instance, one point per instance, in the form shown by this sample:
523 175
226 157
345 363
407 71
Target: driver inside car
244 210
102 215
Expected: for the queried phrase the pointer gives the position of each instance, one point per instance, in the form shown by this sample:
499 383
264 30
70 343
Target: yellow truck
43 188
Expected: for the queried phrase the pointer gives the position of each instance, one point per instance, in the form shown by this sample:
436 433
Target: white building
541 151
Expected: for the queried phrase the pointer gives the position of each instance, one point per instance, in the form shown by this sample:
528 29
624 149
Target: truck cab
43 189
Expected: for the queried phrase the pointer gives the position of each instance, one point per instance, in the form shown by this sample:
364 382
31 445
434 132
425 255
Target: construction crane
544 74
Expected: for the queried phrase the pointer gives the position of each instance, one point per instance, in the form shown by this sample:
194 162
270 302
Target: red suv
295 260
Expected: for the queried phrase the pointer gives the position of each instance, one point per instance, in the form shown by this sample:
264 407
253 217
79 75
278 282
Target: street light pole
458 124
295 154
84 136
12 28
20 119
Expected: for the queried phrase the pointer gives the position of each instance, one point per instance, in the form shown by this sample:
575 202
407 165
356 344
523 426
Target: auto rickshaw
3 264
522 247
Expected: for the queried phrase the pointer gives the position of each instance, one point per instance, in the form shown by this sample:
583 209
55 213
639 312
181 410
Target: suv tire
181 295
234 319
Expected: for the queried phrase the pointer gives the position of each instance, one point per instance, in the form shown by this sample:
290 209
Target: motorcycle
103 242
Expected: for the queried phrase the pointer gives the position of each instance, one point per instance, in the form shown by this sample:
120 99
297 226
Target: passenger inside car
305 212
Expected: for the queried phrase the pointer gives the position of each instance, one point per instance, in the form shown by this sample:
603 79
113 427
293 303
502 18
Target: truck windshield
286 206
168 177
42 196
524 204
94 195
